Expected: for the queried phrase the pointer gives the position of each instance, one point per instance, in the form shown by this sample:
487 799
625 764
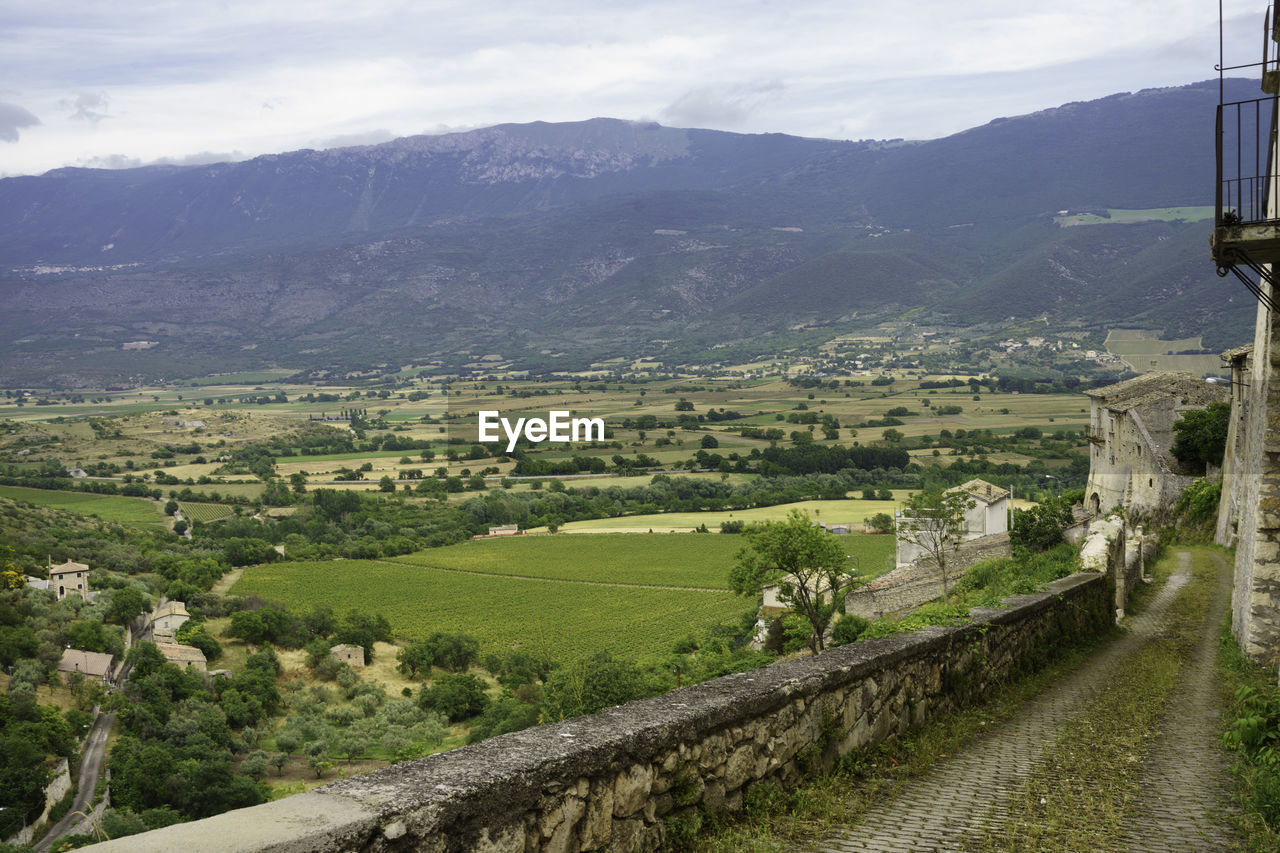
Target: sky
119 83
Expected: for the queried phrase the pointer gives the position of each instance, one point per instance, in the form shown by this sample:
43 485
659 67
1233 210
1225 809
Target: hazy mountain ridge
600 237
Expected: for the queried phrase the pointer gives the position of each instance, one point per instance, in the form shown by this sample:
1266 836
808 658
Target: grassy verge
1078 797
1257 781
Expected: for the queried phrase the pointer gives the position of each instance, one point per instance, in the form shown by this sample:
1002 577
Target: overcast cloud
162 80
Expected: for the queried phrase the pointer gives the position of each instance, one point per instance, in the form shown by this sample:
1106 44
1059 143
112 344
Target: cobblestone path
1185 781
1181 787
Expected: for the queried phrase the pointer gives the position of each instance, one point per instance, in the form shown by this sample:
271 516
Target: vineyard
205 512
657 559
562 596
653 559
560 619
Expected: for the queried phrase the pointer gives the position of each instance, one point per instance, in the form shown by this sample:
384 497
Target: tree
1202 434
933 521
1040 527
126 604
881 522
386 484
456 696
809 566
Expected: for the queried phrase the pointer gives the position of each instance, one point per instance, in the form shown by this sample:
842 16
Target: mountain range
551 246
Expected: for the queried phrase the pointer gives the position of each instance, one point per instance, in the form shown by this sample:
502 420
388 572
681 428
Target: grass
556 617
205 512
132 512
778 821
1255 785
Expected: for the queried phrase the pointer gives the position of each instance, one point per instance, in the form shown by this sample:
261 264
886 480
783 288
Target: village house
168 617
95 665
352 656
1131 436
183 656
987 516
69 579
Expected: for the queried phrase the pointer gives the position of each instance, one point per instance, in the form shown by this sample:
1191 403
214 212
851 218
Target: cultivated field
134 512
558 596
1143 351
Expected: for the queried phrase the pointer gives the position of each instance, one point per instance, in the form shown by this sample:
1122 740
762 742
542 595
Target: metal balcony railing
1245 162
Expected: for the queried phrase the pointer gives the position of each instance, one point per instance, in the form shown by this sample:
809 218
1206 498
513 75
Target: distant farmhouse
352 656
1131 435
69 579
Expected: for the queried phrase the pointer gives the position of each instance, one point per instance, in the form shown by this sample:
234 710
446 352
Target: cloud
124 161
720 106
347 140
87 106
12 119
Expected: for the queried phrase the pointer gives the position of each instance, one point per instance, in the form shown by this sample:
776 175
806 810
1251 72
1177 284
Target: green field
135 512
560 596
204 511
561 619
657 559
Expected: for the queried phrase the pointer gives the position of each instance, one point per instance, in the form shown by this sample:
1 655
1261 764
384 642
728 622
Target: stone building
1131 435
69 579
94 665
1246 244
988 516
352 656
183 656
168 617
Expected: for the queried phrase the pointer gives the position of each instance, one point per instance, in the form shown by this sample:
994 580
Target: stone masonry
628 777
915 583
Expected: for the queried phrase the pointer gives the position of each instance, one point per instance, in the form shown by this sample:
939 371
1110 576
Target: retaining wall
629 776
915 583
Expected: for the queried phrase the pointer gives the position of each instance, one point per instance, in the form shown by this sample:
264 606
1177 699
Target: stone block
564 836
631 789
510 839
740 768
597 826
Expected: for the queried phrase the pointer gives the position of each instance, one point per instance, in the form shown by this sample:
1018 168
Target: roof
90 663
170 608
177 653
346 647
66 567
1154 387
1237 353
982 490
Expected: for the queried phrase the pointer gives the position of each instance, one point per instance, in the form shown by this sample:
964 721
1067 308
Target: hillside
553 245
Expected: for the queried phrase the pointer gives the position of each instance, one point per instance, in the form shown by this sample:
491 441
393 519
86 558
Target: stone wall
1122 552
1255 611
53 792
626 778
915 583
